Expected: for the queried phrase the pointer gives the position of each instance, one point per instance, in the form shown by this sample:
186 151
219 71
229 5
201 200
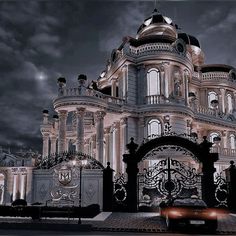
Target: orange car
188 211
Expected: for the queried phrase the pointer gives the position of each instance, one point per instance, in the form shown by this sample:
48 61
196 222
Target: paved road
38 233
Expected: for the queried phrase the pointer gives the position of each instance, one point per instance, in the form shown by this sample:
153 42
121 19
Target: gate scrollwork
166 179
120 192
221 191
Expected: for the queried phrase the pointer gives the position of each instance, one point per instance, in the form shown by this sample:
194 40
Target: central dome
157 24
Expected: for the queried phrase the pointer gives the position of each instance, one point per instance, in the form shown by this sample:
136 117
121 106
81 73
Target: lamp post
81 165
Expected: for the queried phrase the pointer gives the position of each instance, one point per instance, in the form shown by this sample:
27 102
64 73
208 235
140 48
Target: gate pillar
208 170
230 173
107 188
132 171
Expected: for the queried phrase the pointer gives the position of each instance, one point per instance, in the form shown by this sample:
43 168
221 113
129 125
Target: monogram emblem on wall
65 175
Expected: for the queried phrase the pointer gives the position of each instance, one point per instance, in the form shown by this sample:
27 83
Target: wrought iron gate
221 191
166 179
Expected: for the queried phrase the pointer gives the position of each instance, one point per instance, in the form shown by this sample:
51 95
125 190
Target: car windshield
189 202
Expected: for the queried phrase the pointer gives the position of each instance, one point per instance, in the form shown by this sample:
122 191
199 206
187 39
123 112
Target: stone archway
201 153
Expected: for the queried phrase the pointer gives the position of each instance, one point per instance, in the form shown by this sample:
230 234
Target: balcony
224 153
69 97
216 76
154 99
153 48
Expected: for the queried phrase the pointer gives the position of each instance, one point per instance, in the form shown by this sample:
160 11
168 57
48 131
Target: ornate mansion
154 84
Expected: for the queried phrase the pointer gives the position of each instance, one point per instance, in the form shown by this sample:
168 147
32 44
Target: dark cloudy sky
42 40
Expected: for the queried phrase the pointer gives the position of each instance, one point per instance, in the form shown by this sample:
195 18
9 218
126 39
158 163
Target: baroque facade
155 84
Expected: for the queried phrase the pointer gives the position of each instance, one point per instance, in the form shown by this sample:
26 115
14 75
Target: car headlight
212 214
175 213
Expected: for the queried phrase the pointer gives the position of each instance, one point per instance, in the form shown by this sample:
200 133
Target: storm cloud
42 40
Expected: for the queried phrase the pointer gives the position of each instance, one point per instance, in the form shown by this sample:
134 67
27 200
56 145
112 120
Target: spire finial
155 6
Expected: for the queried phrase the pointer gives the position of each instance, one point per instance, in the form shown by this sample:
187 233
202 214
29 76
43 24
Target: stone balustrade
151 47
224 151
216 76
205 110
82 91
154 99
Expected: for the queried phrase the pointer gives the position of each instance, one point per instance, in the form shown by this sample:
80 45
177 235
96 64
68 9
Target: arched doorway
170 150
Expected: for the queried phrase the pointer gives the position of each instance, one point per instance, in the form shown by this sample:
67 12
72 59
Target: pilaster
45 144
80 129
99 119
53 149
107 145
123 140
62 131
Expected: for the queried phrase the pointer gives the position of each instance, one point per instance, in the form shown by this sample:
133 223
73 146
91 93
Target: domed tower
193 47
157 25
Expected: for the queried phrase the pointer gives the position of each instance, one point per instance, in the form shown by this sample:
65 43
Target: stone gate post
107 188
230 174
208 170
132 171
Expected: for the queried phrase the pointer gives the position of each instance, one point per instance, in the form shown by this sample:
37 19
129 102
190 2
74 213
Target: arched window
153 82
213 136
211 97
229 103
154 127
232 141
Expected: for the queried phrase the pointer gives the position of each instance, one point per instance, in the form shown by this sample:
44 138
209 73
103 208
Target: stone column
162 81
222 100
53 147
23 183
186 82
86 146
224 139
15 190
107 145
234 102
45 145
117 147
92 140
99 118
114 167
80 129
62 131
113 88
123 140
111 140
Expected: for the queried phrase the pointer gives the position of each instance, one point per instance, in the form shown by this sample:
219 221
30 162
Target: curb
107 229
47 226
